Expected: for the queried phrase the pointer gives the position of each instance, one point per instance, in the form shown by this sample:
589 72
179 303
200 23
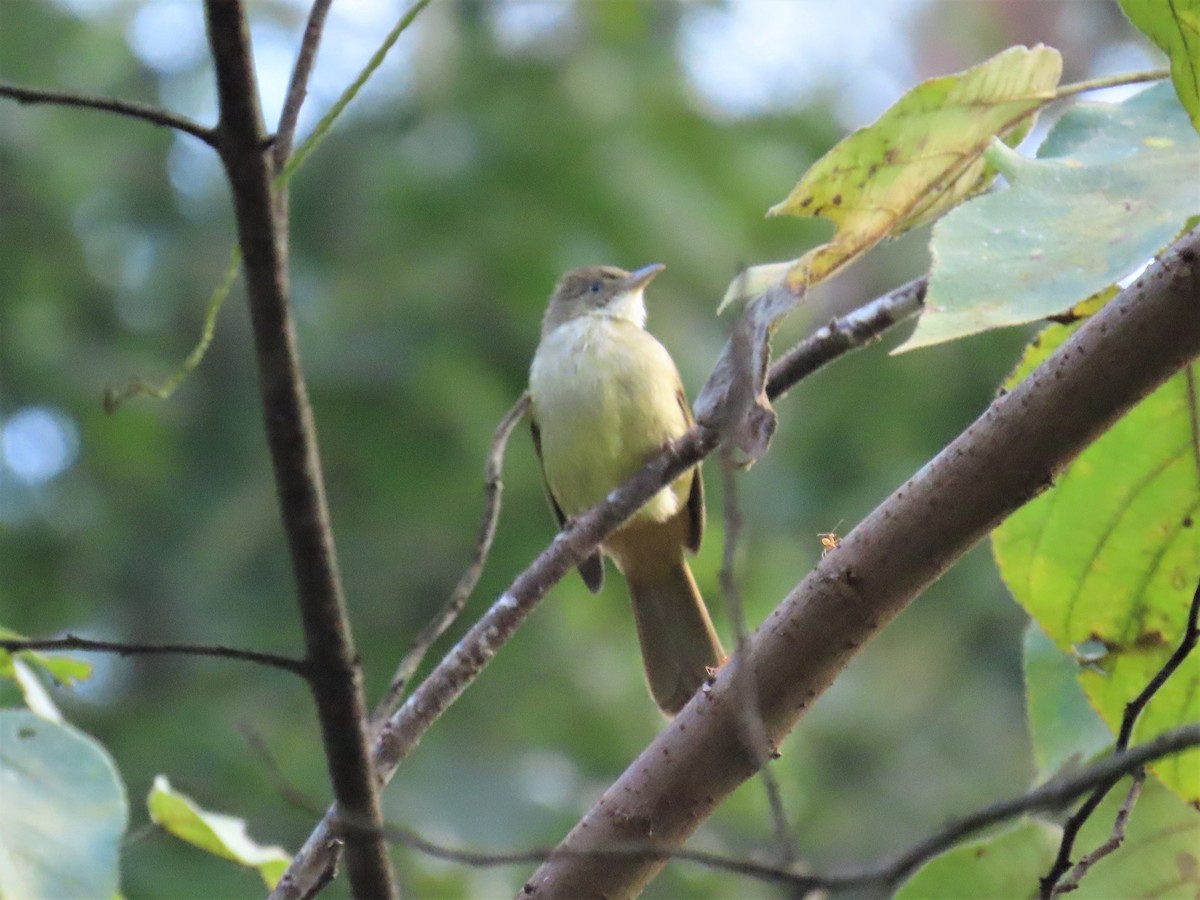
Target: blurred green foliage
427 233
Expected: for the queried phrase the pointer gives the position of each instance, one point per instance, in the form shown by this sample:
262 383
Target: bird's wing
695 503
592 568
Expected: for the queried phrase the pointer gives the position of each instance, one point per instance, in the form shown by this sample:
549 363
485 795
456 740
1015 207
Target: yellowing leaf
1175 28
922 156
219 834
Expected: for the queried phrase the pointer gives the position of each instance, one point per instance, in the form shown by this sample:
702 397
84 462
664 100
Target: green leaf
216 833
63 811
1112 186
1175 28
921 157
1006 865
1109 557
63 669
1067 732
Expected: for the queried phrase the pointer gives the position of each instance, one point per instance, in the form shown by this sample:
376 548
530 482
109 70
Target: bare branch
322 127
493 487
71 642
886 875
1133 709
1053 795
1187 644
297 90
335 678
1071 882
129 108
853 331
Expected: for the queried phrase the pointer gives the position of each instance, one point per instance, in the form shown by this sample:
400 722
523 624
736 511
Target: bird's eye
594 287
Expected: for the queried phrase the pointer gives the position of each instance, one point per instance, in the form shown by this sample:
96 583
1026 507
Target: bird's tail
679 645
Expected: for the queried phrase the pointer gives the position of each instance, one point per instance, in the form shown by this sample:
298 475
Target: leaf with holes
1108 559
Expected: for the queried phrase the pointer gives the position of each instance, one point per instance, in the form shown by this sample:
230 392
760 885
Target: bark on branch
330 657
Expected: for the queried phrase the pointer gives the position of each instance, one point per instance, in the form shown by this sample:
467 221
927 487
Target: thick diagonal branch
1005 458
291 435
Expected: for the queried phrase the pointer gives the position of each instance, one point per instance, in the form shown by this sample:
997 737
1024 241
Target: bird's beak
637 280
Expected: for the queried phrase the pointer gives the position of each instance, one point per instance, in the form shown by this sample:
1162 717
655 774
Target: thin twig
1133 709
493 488
888 874
72 642
291 794
1053 795
487 859
297 90
133 110
754 733
284 169
852 331
322 127
1115 839
335 677
1110 81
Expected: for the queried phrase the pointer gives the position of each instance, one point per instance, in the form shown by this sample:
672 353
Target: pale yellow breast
605 397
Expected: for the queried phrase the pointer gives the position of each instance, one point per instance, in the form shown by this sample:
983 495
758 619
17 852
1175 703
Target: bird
605 397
